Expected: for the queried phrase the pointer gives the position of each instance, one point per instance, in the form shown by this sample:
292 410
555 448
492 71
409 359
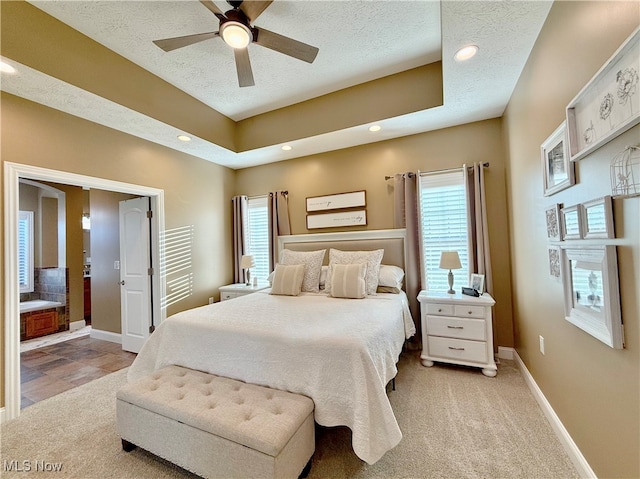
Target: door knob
122 282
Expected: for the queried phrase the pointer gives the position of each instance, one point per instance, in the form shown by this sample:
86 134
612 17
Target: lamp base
450 278
248 277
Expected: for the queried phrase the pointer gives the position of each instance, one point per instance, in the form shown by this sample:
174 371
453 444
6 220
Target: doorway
13 172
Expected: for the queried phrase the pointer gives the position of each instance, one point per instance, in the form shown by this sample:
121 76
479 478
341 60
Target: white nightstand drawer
456 328
440 309
228 295
469 311
460 349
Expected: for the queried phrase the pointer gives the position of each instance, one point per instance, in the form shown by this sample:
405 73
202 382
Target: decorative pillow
348 280
390 275
371 258
312 261
287 279
323 277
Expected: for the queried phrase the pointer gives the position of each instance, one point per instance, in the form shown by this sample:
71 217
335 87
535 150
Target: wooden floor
48 371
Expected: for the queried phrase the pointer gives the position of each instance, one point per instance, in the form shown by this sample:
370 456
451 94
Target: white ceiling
358 41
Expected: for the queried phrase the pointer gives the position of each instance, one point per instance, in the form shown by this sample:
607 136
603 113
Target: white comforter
339 352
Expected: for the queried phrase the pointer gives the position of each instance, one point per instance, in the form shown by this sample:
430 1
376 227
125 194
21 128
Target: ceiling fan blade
286 45
169 44
252 9
243 67
213 8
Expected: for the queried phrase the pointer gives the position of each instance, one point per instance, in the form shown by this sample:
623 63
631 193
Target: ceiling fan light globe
236 35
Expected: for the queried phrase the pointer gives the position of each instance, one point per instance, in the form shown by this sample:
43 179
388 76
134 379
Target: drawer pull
439 310
456 349
470 312
455 327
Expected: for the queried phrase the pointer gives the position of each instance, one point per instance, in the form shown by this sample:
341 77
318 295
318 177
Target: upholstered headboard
392 241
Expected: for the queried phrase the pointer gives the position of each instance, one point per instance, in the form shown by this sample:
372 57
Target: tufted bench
216 426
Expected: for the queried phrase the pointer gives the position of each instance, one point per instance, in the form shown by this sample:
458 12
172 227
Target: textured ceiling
358 41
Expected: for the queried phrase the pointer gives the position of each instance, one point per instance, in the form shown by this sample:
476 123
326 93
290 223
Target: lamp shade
247 261
450 260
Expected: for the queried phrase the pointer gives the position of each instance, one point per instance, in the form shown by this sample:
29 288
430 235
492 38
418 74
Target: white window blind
25 251
257 233
443 227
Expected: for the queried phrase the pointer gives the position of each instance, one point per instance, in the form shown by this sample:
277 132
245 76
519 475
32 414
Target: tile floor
47 371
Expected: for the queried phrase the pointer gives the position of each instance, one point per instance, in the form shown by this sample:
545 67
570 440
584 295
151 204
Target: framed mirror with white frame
591 292
597 218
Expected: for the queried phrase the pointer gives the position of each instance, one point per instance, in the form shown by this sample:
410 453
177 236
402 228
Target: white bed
340 352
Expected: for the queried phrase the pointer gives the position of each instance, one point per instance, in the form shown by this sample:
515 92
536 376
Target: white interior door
135 278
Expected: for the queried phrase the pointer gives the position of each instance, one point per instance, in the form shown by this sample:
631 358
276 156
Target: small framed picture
558 171
572 219
477 282
597 216
552 217
554 262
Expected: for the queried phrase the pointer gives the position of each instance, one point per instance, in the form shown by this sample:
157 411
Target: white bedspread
339 352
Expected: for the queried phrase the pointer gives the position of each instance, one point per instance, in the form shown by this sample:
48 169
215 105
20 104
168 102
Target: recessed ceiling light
6 68
375 128
465 53
286 147
184 138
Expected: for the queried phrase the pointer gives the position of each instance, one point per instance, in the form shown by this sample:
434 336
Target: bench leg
307 469
127 446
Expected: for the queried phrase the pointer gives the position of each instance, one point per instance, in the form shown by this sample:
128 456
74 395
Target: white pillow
312 261
348 280
287 279
390 275
371 258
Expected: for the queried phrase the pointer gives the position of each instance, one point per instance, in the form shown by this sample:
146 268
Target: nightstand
457 329
236 290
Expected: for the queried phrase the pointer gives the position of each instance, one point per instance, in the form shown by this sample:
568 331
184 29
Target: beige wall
364 168
594 389
196 192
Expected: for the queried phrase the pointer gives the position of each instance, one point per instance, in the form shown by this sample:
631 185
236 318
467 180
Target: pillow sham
348 280
287 279
312 261
371 258
390 275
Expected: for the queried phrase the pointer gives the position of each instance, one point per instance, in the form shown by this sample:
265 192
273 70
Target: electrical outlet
116 264
211 300
541 344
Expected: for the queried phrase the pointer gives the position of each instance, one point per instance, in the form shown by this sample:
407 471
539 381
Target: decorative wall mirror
591 292
598 218
571 222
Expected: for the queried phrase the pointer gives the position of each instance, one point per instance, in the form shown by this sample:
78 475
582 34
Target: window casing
25 251
443 225
257 235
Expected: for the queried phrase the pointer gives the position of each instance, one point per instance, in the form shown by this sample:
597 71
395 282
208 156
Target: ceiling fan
236 31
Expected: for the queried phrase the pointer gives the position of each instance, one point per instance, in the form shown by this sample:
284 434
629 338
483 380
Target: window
257 233
25 251
443 227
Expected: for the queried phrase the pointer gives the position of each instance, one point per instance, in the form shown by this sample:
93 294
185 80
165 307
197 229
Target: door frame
13 172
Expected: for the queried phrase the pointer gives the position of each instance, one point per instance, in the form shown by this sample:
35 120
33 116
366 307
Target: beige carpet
456 423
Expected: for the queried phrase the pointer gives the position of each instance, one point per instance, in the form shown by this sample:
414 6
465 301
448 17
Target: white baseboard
106 336
505 353
570 447
75 325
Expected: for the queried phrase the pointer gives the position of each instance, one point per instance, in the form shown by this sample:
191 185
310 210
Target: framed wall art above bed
354 199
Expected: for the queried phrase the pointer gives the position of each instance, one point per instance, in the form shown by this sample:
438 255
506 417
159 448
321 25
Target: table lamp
450 260
247 263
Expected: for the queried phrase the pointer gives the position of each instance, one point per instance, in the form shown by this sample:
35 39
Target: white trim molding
106 336
570 447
